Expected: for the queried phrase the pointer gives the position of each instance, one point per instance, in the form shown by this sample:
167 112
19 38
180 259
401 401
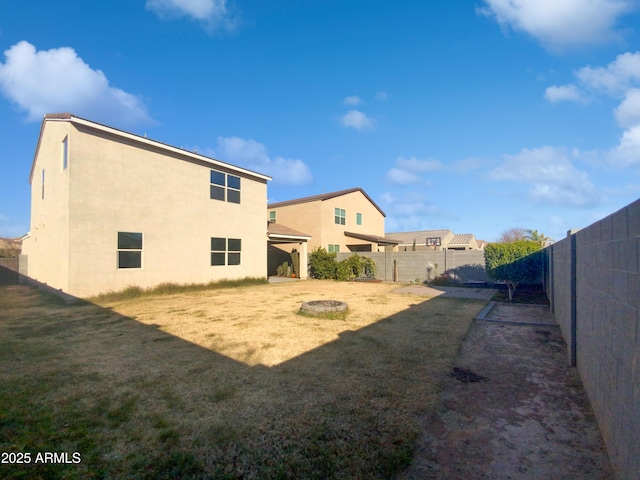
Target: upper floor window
129 250
272 216
224 187
65 153
358 219
340 216
43 183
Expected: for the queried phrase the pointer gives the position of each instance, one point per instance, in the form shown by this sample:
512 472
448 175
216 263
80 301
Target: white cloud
402 177
628 112
253 155
552 177
214 13
353 100
558 24
408 170
627 153
416 165
411 211
57 80
358 120
564 92
615 78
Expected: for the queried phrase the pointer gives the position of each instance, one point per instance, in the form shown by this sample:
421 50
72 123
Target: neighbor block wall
607 326
460 264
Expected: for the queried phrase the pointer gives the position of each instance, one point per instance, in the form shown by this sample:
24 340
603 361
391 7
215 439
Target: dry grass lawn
229 383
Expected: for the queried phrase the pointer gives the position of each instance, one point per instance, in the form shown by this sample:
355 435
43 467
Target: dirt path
512 409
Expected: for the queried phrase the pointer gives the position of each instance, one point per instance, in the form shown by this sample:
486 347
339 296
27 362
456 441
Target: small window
224 187
43 183
225 251
65 153
272 216
334 248
234 246
129 250
358 219
340 216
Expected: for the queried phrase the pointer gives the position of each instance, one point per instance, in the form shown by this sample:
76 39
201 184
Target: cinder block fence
593 284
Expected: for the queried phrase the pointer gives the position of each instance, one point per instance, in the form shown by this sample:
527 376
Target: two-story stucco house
111 209
342 221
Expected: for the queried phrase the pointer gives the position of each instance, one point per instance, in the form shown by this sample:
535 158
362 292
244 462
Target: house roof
373 238
325 196
419 236
461 239
279 231
68 117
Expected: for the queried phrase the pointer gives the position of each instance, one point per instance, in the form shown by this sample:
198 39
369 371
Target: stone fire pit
323 306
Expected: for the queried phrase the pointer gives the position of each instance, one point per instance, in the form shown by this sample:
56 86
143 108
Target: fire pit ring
323 306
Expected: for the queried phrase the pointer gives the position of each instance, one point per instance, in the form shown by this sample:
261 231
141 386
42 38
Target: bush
322 264
514 263
356 266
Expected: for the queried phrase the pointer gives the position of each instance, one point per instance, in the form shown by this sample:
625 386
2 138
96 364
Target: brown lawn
229 383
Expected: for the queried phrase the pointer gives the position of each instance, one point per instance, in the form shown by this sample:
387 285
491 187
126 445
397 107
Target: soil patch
530 295
512 409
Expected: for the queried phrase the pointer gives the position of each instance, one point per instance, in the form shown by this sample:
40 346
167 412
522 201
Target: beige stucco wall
49 239
317 218
118 185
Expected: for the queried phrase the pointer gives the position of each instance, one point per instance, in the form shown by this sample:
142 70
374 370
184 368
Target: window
334 248
43 183
358 219
340 216
225 251
65 153
272 216
129 250
224 187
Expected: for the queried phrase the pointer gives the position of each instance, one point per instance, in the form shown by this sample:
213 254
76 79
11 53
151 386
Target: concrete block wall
9 271
606 325
412 266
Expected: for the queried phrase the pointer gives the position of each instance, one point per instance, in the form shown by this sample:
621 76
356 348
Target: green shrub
343 271
514 263
356 266
322 264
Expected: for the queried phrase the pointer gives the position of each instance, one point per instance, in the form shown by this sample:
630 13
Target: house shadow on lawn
134 401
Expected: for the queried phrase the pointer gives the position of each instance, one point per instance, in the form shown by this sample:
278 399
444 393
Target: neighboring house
111 209
347 220
435 240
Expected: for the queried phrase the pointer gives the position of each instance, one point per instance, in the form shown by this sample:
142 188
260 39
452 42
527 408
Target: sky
475 115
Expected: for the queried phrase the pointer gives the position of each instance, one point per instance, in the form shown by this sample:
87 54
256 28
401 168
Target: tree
513 235
539 238
514 263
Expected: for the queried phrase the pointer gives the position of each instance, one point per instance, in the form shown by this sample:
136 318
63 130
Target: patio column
304 261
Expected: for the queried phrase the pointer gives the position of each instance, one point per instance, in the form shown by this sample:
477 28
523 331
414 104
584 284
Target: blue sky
477 116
